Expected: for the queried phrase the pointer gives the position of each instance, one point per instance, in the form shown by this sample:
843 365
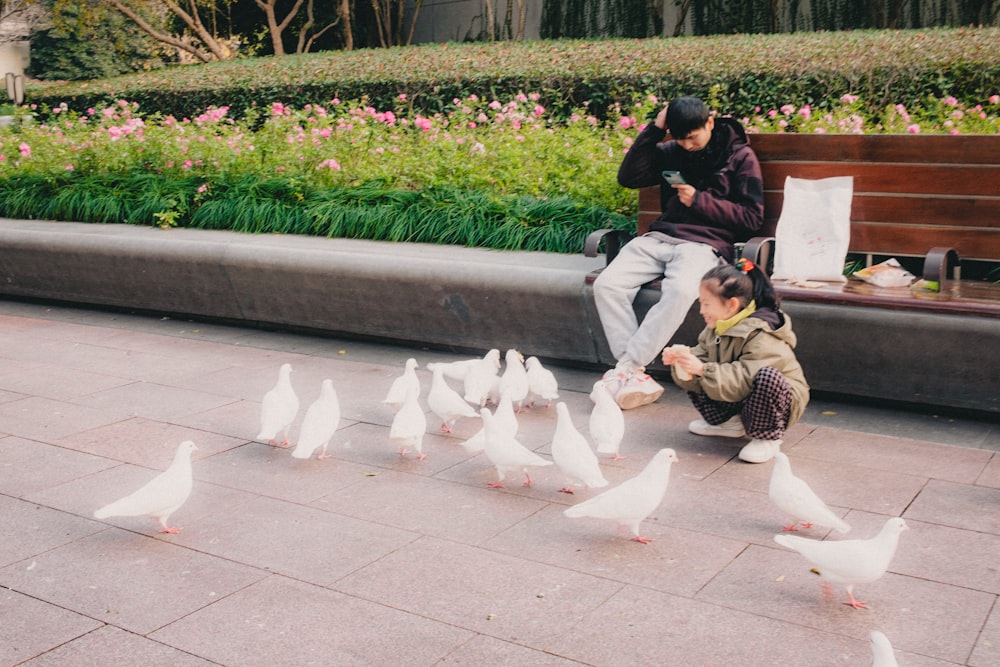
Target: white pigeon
480 378
542 383
882 653
454 370
506 453
794 497
278 409
573 455
504 417
409 426
320 423
849 562
397 391
161 496
634 499
607 422
446 403
514 379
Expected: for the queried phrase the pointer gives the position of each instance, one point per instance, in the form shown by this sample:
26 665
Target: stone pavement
368 558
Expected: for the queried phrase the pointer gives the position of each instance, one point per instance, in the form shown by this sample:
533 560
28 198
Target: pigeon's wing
843 561
167 491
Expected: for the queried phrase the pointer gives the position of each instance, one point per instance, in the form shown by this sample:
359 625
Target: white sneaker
637 389
759 451
732 428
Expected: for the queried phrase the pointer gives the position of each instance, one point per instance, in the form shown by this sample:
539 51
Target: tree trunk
274 26
216 51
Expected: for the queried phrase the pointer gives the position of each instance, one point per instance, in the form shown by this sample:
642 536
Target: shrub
739 72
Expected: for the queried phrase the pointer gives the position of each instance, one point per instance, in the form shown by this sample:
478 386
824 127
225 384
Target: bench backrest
911 193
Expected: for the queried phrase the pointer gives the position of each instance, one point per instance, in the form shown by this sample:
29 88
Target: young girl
742 376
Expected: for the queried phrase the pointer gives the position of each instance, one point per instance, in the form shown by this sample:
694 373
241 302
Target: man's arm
743 211
643 161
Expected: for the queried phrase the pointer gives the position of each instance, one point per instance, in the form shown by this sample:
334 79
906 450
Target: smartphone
673 177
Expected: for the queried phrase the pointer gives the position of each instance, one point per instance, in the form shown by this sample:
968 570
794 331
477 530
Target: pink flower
330 164
521 97
953 132
402 97
494 105
69 167
772 113
625 122
788 109
25 149
848 98
994 99
424 124
202 188
913 129
950 101
805 112
820 130
519 137
188 164
535 97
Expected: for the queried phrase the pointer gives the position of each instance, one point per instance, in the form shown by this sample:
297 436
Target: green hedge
738 73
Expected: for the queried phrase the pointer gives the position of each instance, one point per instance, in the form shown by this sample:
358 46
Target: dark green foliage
373 211
737 73
79 48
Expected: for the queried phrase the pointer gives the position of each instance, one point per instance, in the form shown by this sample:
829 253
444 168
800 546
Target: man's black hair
684 115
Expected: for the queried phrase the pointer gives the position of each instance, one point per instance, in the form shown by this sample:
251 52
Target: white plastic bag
814 229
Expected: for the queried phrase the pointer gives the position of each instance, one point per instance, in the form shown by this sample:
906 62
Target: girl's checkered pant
764 412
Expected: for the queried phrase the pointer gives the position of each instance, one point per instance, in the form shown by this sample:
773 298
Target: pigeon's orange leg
642 540
792 526
566 489
854 603
495 485
445 428
526 482
806 524
617 457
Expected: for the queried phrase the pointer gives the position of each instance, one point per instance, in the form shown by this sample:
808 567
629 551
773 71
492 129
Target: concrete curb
444 296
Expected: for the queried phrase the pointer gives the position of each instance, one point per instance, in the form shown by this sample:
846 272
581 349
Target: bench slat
926 179
967 149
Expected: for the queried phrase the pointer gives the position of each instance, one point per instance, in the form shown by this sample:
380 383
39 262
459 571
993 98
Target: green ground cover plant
482 169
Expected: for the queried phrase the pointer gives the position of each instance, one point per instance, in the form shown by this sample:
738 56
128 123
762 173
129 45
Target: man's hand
661 119
685 192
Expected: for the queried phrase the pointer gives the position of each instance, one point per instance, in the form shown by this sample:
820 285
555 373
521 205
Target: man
719 202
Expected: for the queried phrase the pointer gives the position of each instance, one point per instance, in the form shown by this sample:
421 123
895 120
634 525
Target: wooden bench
932 202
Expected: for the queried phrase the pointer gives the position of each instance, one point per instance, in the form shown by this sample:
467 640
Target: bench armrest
614 239
940 263
760 251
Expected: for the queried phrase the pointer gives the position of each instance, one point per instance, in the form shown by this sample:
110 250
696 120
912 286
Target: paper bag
814 229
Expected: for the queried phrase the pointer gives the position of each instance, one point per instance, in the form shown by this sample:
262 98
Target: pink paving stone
59 383
493 594
154 401
82 496
676 561
924 617
368 445
27 466
113 646
430 506
46 420
960 557
32 626
128 580
483 650
146 442
840 485
649 628
300 542
987 651
30 530
958 505
991 474
271 471
880 452
280 622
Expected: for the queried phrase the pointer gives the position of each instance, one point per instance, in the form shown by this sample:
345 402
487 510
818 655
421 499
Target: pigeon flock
523 383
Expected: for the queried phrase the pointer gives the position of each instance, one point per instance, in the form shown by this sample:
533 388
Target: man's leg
638 262
684 265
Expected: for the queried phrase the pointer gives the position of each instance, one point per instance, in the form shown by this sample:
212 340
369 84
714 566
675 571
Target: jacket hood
766 321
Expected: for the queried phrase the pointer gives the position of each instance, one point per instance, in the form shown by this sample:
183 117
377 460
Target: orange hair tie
744 265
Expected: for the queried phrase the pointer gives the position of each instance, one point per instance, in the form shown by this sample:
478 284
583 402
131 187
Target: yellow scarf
722 326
